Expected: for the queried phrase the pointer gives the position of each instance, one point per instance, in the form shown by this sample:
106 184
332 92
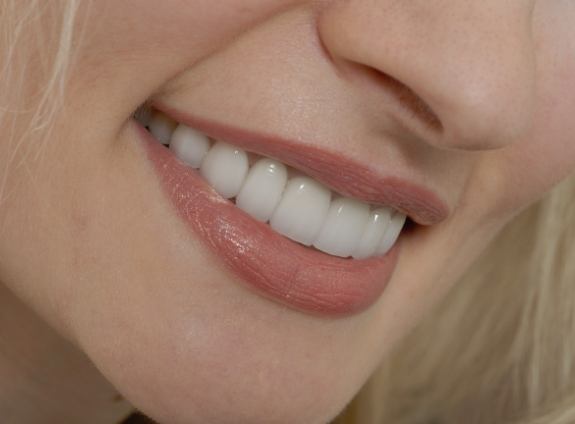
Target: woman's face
458 113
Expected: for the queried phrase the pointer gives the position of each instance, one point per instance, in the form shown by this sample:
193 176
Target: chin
181 378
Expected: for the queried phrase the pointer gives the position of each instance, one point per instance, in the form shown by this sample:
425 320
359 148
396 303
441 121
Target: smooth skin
474 99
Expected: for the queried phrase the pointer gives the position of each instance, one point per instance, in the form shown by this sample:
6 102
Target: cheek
511 179
131 48
506 181
143 27
547 155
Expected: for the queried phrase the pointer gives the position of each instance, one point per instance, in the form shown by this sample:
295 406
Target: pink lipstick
263 260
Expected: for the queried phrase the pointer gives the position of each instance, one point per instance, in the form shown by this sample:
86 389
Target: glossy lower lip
275 267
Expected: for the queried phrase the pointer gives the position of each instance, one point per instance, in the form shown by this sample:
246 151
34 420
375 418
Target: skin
90 244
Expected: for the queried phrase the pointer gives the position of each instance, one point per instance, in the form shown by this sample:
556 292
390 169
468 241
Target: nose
468 64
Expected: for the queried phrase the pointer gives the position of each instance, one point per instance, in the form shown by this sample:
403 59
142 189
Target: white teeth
263 188
373 233
225 168
161 127
343 227
295 205
189 145
302 210
391 233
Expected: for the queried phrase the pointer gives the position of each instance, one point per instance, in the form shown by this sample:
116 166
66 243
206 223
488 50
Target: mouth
298 225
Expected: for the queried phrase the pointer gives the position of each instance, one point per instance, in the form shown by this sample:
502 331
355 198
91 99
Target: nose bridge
471 62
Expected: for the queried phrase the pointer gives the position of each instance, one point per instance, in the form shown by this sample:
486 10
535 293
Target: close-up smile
286 234
277 212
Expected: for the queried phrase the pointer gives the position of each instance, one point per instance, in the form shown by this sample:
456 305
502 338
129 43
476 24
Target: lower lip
279 269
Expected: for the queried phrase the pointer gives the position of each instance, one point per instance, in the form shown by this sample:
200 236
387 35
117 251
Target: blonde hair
36 38
499 349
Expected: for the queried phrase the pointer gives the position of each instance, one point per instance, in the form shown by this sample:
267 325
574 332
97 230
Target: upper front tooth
343 227
373 233
302 210
189 145
161 127
263 188
391 233
225 168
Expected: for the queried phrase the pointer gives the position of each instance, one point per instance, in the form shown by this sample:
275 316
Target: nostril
411 103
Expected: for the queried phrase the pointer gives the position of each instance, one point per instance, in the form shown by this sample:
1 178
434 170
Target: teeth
225 168
302 210
161 127
391 233
295 206
343 227
373 233
189 145
263 188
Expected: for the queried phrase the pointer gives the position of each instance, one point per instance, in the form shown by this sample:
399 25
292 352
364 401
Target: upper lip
343 175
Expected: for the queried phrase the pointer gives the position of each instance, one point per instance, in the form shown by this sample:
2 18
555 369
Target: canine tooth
225 168
302 210
391 233
189 145
343 227
161 127
262 189
373 233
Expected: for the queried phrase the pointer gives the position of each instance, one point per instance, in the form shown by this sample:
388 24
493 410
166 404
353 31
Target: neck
44 378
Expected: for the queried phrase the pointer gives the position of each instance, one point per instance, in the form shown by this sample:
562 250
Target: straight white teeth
298 207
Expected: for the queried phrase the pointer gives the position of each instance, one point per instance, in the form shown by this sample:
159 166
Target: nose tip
470 63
